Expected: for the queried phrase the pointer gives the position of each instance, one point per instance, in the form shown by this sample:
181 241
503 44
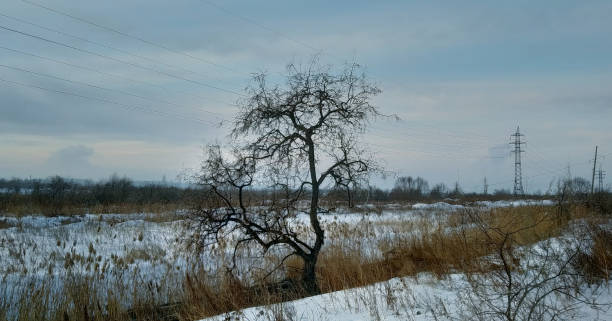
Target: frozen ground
420 298
145 247
40 245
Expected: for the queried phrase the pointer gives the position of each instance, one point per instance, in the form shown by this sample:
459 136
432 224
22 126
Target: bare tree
292 141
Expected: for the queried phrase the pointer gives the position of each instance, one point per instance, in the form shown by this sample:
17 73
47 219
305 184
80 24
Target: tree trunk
309 276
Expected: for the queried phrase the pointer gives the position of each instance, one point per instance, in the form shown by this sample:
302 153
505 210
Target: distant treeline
408 188
57 195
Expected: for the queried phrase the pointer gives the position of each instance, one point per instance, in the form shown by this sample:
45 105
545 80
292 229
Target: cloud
450 70
72 161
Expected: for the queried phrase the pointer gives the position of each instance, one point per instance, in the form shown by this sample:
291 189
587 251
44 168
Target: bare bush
526 282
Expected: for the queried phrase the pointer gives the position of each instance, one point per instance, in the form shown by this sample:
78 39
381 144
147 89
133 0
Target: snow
32 246
420 298
438 206
515 203
37 244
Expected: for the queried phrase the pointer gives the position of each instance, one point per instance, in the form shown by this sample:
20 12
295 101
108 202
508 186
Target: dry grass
4 224
597 263
453 247
126 208
77 299
454 244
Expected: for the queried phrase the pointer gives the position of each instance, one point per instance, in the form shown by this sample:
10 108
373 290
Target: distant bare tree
293 141
407 187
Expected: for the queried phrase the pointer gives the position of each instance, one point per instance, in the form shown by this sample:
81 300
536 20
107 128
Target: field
380 262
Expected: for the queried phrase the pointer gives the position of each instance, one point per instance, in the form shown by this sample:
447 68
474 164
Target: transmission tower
518 176
486 187
600 179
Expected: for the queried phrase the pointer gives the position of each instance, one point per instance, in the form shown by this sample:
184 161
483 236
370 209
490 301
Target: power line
429 134
535 150
112 75
89 52
427 140
253 22
154 44
561 169
536 163
118 60
600 178
116 31
301 43
125 106
108 89
439 155
97 87
99 44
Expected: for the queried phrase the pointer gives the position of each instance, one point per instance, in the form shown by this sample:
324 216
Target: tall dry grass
454 243
23 209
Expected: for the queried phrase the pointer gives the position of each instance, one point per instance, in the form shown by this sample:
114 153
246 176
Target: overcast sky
462 75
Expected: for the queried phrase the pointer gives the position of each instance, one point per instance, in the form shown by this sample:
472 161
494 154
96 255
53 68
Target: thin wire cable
118 60
317 50
253 22
101 45
450 148
112 75
99 87
439 131
116 31
144 40
89 52
107 101
559 170
132 94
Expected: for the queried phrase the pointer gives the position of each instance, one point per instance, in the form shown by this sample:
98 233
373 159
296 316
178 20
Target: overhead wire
124 34
98 87
56 11
253 22
447 148
112 75
303 44
559 170
156 61
58 43
430 139
308 46
107 101
100 55
218 7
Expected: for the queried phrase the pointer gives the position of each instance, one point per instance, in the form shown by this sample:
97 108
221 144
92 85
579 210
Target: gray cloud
72 161
461 76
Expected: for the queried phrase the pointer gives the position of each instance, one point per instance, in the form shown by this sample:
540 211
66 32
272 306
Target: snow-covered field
39 245
146 248
420 298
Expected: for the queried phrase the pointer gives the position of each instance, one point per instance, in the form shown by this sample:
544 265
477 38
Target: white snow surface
420 298
34 246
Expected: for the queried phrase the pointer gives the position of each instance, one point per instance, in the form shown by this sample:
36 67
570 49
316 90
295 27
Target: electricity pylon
600 178
518 176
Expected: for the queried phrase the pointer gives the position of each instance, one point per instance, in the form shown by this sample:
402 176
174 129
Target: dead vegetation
436 243
21 209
